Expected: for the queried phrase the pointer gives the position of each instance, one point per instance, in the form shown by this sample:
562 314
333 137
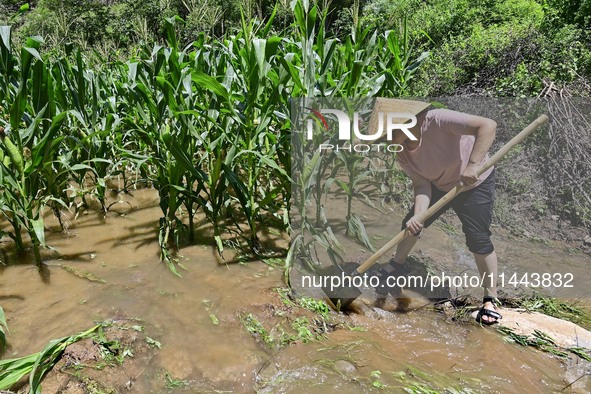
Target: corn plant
399 62
208 125
254 173
211 127
365 65
308 166
23 173
8 69
310 230
218 104
92 104
161 101
30 147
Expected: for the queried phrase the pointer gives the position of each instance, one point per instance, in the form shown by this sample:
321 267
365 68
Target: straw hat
384 105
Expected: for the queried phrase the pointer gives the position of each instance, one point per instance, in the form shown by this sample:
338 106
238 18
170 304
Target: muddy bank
108 362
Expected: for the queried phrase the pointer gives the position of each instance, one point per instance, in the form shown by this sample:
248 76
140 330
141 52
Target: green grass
290 322
536 302
543 342
301 325
173 383
317 306
255 328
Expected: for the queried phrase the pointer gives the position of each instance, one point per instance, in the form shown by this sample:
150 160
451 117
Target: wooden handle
453 192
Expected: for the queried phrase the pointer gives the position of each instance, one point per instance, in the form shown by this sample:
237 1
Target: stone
345 367
566 334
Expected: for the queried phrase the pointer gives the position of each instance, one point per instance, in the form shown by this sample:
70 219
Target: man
449 149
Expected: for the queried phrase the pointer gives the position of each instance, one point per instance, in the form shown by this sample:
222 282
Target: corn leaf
39 231
3 329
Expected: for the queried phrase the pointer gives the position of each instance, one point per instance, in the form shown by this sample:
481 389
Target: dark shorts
474 208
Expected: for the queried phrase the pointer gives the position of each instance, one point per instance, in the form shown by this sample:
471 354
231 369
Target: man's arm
483 130
422 191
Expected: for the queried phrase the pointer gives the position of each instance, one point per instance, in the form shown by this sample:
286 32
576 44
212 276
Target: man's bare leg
487 266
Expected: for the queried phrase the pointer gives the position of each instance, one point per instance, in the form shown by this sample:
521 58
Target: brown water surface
381 349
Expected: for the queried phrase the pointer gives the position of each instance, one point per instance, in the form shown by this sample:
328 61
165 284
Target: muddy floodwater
195 318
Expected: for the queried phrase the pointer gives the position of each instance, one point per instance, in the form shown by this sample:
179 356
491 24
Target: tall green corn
30 145
208 125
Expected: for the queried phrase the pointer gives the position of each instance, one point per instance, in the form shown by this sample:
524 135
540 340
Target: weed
538 340
376 382
317 306
95 387
154 343
302 327
286 295
288 298
121 356
581 352
172 383
550 306
286 331
256 329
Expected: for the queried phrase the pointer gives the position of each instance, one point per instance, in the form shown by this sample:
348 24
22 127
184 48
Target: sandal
489 313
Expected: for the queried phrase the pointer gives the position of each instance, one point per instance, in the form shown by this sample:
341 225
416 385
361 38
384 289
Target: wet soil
109 362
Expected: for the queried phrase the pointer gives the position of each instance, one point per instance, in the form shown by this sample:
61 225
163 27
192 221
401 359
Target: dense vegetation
496 48
206 124
192 97
507 47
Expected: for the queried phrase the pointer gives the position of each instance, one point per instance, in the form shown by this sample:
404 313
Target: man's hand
414 225
470 175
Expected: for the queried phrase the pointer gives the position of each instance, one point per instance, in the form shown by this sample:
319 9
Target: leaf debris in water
83 274
153 342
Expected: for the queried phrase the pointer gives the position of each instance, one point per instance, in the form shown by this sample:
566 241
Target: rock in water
566 334
345 367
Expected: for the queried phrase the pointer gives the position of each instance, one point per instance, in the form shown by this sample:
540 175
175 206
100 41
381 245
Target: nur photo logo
355 135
